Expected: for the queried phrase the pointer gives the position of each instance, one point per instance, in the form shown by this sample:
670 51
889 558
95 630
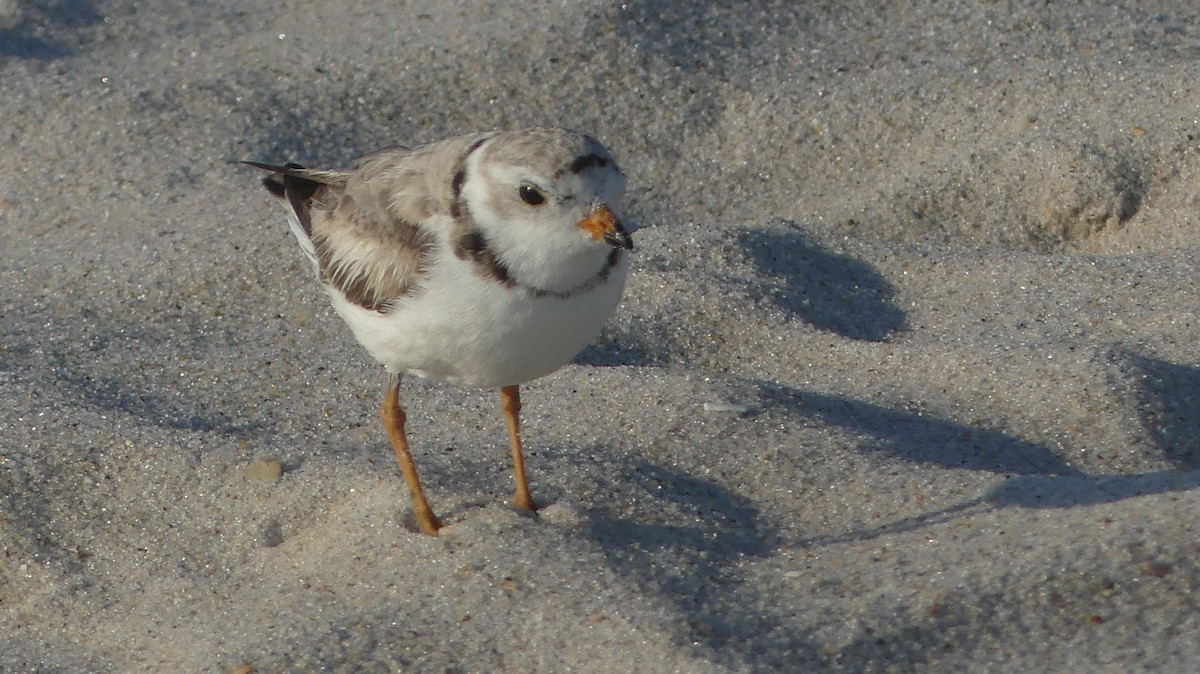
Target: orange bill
604 226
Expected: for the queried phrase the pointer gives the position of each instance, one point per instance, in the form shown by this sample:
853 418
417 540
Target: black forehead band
586 162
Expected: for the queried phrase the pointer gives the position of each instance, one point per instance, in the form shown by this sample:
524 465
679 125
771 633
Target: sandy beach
906 377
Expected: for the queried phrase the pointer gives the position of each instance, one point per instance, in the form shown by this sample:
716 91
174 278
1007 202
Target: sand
905 378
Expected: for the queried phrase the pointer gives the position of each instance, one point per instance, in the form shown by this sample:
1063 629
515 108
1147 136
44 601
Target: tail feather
297 185
323 176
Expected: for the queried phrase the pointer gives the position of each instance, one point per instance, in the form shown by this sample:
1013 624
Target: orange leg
510 402
392 416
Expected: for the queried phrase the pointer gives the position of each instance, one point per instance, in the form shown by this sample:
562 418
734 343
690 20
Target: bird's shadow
701 530
704 530
913 436
1038 477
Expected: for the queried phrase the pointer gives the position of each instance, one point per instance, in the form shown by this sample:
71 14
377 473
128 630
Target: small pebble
1156 569
267 470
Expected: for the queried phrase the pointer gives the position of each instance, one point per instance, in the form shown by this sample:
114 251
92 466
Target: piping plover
484 260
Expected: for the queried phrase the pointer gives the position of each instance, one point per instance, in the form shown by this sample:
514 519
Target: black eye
531 195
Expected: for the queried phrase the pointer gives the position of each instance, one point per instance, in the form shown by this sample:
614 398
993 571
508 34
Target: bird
485 260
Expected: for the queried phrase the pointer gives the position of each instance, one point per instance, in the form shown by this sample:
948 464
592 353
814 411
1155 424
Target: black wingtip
276 183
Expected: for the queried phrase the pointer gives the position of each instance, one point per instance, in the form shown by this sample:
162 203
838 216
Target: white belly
464 329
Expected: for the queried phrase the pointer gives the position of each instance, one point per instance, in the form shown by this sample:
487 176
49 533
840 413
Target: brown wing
368 227
361 247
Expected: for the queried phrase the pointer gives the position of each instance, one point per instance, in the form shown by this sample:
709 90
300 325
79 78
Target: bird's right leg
392 416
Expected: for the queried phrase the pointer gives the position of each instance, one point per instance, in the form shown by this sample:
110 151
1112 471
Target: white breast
462 328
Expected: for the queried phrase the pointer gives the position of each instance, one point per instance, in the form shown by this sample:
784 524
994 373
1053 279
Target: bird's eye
531 195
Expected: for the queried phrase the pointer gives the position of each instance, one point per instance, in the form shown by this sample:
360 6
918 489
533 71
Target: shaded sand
931 271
